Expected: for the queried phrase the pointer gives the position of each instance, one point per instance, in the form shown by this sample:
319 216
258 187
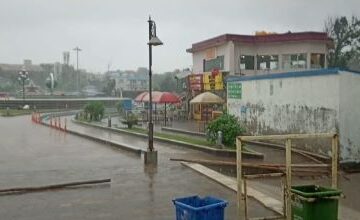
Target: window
217 63
247 62
294 61
268 62
317 60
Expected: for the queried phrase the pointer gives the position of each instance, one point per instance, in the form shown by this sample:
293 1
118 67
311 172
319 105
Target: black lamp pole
151 125
153 41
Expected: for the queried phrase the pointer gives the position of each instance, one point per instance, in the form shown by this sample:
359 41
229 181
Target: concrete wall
309 104
289 105
350 115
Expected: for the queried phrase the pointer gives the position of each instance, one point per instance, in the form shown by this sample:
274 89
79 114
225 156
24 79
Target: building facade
131 81
315 101
261 54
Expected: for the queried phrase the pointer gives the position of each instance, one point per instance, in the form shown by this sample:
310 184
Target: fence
241 179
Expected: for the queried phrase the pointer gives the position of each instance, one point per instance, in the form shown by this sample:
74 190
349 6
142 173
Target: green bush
95 110
130 120
230 127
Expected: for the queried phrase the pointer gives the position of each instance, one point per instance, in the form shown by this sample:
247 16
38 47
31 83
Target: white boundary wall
328 102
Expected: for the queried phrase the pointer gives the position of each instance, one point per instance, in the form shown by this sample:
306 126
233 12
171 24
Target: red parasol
154 94
165 97
140 97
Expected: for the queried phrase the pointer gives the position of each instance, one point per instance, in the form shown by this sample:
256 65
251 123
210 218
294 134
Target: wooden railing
241 181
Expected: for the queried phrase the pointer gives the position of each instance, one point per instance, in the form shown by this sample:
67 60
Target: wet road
34 155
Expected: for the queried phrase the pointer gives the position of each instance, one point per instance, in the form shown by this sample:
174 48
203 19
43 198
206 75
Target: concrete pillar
308 61
255 64
231 57
109 122
150 157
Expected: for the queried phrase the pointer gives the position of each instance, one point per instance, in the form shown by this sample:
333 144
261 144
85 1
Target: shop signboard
234 90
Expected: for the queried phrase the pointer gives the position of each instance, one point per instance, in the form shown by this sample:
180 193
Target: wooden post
240 201
283 184
245 200
335 155
288 179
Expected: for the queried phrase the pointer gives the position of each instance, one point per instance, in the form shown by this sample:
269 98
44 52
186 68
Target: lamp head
155 41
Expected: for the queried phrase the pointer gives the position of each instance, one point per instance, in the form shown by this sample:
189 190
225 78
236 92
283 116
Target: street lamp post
151 154
22 77
77 49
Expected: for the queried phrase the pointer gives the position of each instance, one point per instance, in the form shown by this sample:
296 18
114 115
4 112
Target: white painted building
259 54
130 81
314 101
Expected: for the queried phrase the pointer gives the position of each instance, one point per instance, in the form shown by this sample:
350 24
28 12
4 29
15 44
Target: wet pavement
348 183
33 155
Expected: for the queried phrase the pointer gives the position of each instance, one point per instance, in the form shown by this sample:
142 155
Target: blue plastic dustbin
196 208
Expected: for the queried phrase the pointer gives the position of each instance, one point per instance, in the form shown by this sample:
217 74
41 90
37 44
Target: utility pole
77 49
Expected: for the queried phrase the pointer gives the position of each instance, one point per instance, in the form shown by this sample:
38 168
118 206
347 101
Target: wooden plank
245 200
207 162
335 161
55 186
260 165
231 183
263 175
286 136
288 178
298 151
309 157
267 218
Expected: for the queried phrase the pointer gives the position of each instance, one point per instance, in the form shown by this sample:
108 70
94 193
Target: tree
110 87
346 36
230 127
95 110
165 82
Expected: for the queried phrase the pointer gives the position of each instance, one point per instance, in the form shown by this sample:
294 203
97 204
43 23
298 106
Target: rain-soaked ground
348 183
33 155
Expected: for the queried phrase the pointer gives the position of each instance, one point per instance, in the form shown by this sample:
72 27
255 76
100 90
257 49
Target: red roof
254 39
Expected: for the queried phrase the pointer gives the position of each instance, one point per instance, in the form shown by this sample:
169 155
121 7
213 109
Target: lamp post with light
22 77
151 154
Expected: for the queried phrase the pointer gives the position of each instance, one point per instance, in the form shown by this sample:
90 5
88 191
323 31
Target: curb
104 141
176 130
216 152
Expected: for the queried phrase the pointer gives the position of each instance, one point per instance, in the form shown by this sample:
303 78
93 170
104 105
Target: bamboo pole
245 200
286 136
256 165
240 202
263 175
267 218
288 179
283 184
335 155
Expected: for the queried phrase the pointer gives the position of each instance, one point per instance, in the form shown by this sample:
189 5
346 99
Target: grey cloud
116 31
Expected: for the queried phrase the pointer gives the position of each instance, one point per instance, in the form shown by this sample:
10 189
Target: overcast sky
116 31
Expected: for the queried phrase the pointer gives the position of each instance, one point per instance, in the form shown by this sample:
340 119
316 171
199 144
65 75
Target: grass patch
187 139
